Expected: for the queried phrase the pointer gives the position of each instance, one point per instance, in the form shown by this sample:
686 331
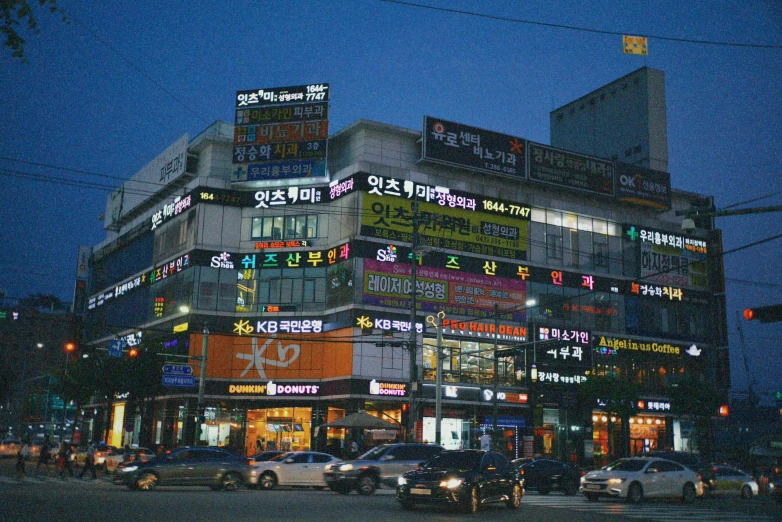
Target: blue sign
506 421
115 347
178 369
185 381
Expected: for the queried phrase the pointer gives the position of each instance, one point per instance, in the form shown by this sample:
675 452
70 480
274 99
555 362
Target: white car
732 480
634 479
136 454
296 468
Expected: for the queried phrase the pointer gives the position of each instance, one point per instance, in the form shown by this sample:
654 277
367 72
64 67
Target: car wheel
147 481
230 482
267 481
591 497
635 494
515 497
471 501
688 493
366 485
746 492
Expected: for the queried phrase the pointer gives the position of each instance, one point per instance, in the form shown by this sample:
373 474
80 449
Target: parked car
200 466
10 447
693 461
263 456
295 468
382 465
136 454
465 479
637 478
733 480
101 452
545 475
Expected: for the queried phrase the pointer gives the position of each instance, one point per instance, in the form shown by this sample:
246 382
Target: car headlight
451 483
346 467
401 481
328 467
129 469
583 479
616 480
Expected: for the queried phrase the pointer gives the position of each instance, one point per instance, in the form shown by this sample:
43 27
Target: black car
546 475
199 466
693 461
465 479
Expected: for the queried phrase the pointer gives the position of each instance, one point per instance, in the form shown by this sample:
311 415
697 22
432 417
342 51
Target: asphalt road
41 498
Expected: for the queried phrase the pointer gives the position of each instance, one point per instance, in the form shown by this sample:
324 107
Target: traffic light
764 314
133 353
70 347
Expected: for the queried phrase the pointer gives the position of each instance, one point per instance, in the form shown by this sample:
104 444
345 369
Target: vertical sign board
116 346
281 133
473 148
570 170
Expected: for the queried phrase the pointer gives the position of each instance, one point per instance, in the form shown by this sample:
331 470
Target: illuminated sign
666 292
288 243
271 389
487 394
387 254
653 405
472 148
670 259
282 95
444 227
451 392
570 170
617 345
396 389
222 260
173 209
455 292
561 377
274 170
643 186
276 308
272 326
368 321
563 348
480 329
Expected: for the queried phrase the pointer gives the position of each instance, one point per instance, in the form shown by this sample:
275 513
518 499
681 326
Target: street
44 498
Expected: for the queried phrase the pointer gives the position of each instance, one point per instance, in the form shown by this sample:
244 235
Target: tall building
296 282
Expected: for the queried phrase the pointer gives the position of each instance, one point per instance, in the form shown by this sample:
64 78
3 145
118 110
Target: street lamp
438 408
70 347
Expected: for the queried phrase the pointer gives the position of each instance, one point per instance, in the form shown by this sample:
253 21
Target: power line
581 29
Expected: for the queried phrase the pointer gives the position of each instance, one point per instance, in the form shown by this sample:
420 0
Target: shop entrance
283 429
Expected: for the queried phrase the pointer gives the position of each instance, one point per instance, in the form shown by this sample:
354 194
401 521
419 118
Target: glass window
553 242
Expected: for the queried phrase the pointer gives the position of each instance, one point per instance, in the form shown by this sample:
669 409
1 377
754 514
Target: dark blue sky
108 92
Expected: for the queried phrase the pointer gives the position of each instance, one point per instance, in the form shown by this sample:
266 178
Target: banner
635 45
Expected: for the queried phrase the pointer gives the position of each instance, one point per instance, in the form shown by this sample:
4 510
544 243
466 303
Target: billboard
670 259
570 170
389 284
473 148
642 186
444 227
281 133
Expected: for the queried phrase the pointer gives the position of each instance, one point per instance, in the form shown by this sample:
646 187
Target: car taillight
249 462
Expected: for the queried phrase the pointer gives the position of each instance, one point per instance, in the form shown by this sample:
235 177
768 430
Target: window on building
285 227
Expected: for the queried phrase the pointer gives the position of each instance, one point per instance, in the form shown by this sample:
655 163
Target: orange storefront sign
277 356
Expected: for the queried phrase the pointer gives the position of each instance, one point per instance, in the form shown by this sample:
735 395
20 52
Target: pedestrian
89 462
64 461
21 458
43 455
258 445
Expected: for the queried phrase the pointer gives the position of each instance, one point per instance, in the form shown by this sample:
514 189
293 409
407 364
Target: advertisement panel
670 259
473 148
616 345
281 133
642 186
570 170
444 227
389 284
279 355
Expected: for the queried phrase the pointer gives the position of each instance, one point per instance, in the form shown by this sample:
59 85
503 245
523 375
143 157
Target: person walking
89 462
62 458
43 455
21 458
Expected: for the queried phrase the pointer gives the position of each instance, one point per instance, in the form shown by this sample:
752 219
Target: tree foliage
18 16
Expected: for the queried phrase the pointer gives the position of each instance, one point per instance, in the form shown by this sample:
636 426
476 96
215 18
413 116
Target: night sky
104 94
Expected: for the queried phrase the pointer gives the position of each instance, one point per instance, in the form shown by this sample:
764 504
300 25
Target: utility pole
201 414
494 437
412 345
438 408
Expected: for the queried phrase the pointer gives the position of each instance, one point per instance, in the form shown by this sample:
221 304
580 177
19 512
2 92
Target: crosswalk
51 480
658 511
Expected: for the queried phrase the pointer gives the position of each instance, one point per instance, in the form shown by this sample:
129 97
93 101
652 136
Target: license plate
419 491
592 486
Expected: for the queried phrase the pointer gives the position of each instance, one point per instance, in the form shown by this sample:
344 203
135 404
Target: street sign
115 347
178 369
185 381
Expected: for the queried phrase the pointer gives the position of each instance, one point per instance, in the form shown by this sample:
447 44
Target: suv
381 465
693 461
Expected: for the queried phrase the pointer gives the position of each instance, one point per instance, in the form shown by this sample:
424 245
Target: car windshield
281 456
457 460
627 465
375 453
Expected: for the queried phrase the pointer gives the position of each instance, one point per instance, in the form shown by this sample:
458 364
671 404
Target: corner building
300 288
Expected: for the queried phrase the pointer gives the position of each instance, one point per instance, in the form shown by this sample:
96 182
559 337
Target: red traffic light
133 352
764 314
70 347
749 314
724 410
